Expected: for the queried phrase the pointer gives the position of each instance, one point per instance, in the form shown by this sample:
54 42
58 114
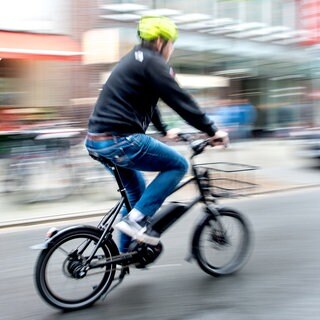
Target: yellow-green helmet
153 27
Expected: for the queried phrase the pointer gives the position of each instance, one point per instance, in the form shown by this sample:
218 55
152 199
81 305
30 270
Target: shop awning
37 46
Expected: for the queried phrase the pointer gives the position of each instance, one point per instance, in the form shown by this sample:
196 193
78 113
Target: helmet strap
148 44
153 45
163 46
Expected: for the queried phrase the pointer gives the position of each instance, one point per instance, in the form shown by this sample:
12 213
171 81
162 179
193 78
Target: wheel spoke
64 251
63 279
222 243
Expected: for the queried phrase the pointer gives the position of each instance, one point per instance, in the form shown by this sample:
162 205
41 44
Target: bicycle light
51 232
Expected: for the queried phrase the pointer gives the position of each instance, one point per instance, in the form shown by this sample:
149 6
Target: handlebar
197 146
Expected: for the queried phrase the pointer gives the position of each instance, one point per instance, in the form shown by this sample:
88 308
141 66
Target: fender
198 227
51 240
228 209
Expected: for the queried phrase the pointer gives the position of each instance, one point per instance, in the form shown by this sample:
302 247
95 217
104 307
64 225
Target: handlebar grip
218 140
196 145
185 137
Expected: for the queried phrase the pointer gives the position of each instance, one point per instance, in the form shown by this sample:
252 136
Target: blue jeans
139 152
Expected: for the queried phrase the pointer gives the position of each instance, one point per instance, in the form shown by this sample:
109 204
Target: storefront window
10 94
256 9
277 12
228 9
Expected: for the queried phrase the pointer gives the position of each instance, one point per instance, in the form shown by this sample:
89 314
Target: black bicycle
80 264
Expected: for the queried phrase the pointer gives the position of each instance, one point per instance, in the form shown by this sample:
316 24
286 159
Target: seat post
116 174
122 189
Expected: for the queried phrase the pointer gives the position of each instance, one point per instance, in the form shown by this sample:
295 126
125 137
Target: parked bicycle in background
48 163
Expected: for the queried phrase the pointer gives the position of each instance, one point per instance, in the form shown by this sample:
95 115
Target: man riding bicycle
125 107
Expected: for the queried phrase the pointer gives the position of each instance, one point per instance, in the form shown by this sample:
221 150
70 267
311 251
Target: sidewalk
279 169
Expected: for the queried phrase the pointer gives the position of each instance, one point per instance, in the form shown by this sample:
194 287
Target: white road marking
166 266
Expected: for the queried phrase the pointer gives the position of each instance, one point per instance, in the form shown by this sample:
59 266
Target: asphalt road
281 280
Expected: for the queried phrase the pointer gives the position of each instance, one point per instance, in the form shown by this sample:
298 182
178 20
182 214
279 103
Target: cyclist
120 118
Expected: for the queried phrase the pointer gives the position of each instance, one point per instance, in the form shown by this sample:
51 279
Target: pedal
141 267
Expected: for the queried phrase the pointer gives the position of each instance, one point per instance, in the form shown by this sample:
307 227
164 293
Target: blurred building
40 56
261 51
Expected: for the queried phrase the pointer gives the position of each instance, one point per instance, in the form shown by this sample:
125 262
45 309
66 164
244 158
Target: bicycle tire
43 277
221 241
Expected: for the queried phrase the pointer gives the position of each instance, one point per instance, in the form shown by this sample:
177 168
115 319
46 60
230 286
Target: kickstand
123 272
189 258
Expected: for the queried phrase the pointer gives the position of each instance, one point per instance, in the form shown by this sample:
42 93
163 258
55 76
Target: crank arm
123 259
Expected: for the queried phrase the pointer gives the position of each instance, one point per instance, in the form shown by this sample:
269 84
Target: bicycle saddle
101 159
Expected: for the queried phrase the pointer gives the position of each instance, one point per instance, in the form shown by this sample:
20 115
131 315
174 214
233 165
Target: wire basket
226 179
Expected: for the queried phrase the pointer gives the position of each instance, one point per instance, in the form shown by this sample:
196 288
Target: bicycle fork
210 210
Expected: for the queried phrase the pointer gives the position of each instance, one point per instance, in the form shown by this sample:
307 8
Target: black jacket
127 102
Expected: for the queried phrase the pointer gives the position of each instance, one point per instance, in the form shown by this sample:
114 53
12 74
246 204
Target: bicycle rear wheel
58 277
221 244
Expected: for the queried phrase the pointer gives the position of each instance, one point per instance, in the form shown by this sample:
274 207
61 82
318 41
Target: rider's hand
221 138
172 134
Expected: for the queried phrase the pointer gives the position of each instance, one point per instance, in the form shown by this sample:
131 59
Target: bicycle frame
105 225
108 220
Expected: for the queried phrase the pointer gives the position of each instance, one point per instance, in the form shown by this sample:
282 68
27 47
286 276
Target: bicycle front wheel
221 244
59 275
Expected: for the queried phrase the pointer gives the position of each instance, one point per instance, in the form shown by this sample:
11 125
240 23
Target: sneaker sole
137 234
142 237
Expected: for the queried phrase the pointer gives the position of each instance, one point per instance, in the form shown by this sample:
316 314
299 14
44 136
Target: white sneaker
144 237
134 230
129 227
